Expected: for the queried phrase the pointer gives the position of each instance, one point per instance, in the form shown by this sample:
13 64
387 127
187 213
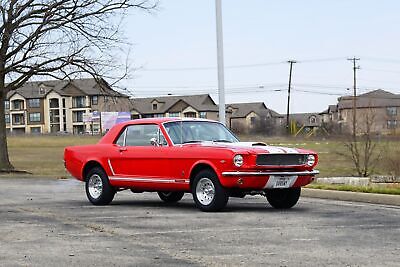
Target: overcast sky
175 49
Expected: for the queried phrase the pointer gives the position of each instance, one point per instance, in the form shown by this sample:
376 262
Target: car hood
253 147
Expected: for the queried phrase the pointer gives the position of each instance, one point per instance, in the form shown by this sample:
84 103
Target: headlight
238 160
310 160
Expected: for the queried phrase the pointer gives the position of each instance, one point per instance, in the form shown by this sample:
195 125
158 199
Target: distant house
60 106
381 107
330 114
189 106
253 117
305 123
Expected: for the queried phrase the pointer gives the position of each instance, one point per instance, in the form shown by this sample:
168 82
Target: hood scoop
259 144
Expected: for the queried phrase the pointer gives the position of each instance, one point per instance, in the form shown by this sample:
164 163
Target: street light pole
220 59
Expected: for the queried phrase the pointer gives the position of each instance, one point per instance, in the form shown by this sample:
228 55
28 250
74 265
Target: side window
121 139
141 135
161 139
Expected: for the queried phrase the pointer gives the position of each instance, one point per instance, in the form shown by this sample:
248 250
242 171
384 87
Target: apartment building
60 106
378 109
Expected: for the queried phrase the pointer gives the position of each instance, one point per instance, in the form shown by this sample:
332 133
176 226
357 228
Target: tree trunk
5 165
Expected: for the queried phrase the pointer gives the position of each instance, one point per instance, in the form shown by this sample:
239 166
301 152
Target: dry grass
43 155
331 163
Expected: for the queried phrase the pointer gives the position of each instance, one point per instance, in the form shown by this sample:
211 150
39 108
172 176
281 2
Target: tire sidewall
221 196
283 198
170 197
107 193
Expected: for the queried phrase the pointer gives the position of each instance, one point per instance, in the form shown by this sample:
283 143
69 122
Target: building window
55 116
78 102
34 103
18 104
36 130
18 119
147 116
155 106
95 100
391 111
190 114
253 121
174 114
54 103
78 116
7 118
392 124
313 120
34 117
158 115
203 115
7 104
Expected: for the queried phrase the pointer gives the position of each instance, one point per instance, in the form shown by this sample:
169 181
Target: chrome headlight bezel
238 160
310 160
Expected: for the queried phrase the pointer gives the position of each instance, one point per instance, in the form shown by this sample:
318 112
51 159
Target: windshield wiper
222 141
192 141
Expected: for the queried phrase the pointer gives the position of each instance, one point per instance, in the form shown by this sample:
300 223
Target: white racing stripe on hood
270 149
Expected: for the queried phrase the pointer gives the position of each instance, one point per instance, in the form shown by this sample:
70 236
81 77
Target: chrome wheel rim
205 191
95 186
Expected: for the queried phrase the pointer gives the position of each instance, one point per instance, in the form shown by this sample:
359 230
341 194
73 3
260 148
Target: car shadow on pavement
188 205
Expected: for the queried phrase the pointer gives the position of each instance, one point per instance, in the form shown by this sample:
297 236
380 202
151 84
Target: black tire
206 180
170 197
283 198
103 193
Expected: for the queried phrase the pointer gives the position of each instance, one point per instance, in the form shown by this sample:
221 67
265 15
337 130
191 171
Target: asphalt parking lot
50 222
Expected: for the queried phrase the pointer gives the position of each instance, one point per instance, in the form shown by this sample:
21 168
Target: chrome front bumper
261 173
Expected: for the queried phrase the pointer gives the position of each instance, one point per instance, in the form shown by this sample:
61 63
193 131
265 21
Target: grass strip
393 189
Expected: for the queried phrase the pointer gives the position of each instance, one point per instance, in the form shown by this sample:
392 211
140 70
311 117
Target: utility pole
355 68
220 58
291 62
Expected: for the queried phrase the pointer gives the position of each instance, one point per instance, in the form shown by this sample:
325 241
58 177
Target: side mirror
153 142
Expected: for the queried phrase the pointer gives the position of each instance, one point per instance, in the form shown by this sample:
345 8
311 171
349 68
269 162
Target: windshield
198 131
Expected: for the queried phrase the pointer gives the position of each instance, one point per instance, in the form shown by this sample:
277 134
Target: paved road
50 223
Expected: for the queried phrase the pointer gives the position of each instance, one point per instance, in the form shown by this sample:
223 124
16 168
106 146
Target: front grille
281 159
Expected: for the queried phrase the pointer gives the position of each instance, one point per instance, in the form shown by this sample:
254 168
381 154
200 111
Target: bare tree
59 39
362 148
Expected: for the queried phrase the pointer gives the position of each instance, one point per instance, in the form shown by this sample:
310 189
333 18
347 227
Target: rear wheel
170 197
283 198
98 188
208 193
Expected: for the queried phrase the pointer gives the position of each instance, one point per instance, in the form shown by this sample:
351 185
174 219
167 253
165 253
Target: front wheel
283 198
208 193
98 188
170 197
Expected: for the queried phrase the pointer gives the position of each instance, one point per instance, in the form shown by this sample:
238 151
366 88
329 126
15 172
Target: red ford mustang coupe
172 156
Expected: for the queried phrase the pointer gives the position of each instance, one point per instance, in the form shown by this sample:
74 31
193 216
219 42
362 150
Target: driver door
143 154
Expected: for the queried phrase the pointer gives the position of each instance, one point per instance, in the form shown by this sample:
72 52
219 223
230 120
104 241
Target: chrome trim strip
149 180
111 168
241 173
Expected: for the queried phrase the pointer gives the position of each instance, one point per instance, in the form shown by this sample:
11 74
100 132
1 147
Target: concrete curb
352 196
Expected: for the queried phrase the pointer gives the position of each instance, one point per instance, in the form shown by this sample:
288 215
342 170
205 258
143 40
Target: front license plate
280 181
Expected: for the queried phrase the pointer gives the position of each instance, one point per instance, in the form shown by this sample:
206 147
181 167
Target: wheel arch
199 166
90 165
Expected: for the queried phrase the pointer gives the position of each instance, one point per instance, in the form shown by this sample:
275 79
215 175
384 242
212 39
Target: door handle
122 149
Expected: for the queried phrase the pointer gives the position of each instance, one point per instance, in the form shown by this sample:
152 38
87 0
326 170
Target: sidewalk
352 196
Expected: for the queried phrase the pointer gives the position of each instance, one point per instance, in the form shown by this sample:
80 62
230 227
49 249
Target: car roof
163 120
116 129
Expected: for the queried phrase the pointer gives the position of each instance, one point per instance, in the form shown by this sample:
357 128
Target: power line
253 65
